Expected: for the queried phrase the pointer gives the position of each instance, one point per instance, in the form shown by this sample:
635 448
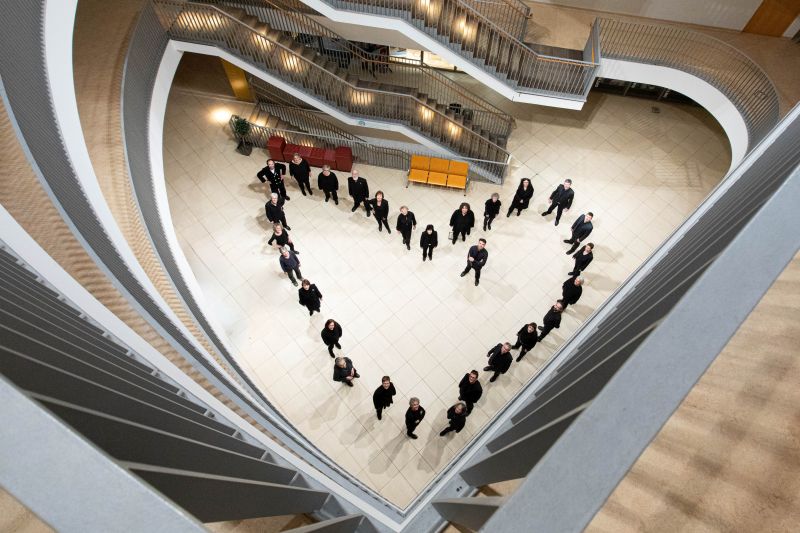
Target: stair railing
466 31
511 15
306 120
207 24
287 16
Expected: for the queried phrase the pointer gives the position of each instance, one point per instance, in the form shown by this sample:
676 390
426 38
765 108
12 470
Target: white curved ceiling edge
59 24
702 92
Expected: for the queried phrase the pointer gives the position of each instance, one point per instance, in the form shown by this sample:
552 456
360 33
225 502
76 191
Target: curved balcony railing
726 68
458 25
288 17
209 25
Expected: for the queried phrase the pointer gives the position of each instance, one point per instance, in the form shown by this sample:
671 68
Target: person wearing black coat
571 291
462 221
329 184
300 171
308 294
406 222
380 207
499 360
582 259
344 371
290 264
490 210
551 320
522 198
274 210
457 415
581 228
428 241
273 174
382 397
476 259
331 334
527 337
470 390
358 188
281 238
414 416
561 199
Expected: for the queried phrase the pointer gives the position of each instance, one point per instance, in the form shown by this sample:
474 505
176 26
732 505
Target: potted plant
241 128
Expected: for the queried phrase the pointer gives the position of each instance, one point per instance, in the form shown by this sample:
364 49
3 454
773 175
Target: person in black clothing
476 258
428 241
331 334
582 259
470 390
309 296
526 339
273 173
561 199
382 397
491 209
300 171
457 415
329 184
522 198
414 416
499 360
344 371
358 188
274 210
581 229
551 320
380 207
281 238
462 221
290 264
571 291
406 222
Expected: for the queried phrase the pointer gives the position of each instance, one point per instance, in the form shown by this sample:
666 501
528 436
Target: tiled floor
640 173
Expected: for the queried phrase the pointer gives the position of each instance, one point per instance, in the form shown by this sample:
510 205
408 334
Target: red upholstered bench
344 159
317 157
289 150
329 158
275 145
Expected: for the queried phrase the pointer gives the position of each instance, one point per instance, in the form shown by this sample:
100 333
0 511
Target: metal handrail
364 152
306 120
289 17
740 79
208 24
463 28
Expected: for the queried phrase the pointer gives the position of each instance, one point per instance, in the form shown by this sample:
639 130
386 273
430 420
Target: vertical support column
238 81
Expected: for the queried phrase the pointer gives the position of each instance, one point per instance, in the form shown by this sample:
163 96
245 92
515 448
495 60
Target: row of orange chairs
435 171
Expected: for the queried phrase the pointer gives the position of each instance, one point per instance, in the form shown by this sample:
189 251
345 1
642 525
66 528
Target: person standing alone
522 198
290 264
358 188
476 259
462 220
309 296
273 174
380 207
581 228
428 241
328 183
490 210
551 320
382 397
499 360
300 171
406 222
274 210
457 416
331 334
470 390
414 416
561 200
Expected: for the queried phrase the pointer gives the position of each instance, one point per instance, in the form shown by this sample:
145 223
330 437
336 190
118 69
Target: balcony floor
641 173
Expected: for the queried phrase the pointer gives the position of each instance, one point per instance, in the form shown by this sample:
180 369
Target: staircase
487 39
397 91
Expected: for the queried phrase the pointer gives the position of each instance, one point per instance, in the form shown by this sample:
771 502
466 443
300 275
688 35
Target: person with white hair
275 212
290 264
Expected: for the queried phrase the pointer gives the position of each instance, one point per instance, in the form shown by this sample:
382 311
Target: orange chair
439 165
457 175
437 178
418 173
